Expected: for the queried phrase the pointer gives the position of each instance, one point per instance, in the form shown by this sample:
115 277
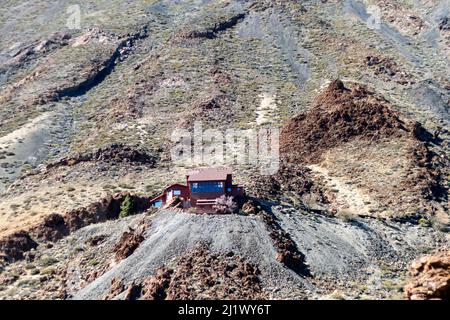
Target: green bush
126 208
47 261
425 222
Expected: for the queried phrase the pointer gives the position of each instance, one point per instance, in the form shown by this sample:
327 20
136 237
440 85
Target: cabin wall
237 191
204 195
190 198
184 191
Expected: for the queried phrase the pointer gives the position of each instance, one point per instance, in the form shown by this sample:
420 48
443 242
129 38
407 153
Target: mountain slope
87 112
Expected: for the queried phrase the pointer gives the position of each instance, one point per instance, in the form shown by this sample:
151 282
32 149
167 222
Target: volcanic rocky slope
87 114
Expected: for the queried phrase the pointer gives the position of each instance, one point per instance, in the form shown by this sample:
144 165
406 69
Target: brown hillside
338 115
371 160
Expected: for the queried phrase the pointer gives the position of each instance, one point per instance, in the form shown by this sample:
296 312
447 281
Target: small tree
225 205
126 208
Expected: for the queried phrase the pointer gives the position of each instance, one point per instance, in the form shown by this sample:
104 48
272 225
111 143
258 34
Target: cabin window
207 187
229 189
158 204
177 192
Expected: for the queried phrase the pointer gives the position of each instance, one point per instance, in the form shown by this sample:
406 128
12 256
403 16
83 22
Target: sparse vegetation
94 262
346 215
225 205
48 271
134 73
425 222
47 261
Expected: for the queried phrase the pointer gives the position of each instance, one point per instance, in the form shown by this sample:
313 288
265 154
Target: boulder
430 278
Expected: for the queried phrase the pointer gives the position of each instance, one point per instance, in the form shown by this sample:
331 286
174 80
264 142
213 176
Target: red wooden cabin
203 187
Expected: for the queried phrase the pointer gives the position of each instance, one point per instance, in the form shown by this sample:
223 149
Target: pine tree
126 208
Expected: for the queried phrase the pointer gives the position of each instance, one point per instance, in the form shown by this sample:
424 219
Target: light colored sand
30 207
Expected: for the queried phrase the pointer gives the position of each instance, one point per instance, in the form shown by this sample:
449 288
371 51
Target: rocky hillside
91 92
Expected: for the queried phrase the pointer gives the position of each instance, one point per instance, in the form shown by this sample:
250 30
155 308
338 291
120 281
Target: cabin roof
209 174
176 185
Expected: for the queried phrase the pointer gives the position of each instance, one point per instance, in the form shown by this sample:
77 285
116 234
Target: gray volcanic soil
173 234
337 252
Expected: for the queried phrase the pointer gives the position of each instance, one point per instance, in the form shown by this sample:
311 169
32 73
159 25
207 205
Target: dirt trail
346 195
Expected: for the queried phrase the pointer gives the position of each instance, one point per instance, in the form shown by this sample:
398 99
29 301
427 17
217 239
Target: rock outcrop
13 247
56 226
344 138
338 115
128 243
430 278
114 153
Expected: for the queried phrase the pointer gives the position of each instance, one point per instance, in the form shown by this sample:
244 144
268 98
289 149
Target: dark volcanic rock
114 153
290 178
444 23
13 247
117 287
52 228
106 209
211 32
56 226
127 244
338 115
382 66
201 274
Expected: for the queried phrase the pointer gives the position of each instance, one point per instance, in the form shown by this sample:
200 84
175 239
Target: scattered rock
117 287
287 251
225 205
52 228
350 131
211 32
56 226
251 207
382 66
155 288
444 24
200 274
290 178
96 240
175 202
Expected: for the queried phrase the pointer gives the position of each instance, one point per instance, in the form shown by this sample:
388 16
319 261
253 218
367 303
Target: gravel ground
333 246
336 251
172 234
